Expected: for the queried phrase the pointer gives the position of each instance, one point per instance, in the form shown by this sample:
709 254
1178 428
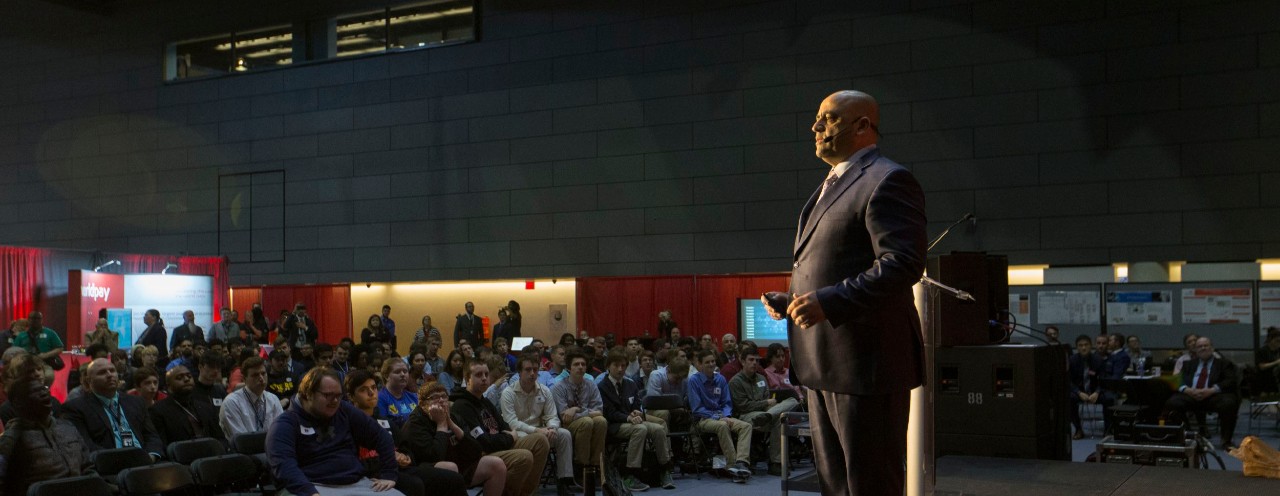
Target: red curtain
21 282
627 306
329 305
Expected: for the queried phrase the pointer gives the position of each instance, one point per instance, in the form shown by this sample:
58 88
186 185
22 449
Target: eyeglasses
331 397
438 397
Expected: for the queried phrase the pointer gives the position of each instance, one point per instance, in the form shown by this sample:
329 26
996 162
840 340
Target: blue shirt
119 423
390 406
709 396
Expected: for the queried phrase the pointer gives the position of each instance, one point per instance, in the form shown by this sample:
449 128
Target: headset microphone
838 133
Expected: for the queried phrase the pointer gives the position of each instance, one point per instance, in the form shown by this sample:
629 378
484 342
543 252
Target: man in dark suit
187 330
108 419
299 329
1209 383
1084 369
184 416
623 411
468 327
855 332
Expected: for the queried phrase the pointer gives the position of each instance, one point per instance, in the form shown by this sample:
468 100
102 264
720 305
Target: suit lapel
815 209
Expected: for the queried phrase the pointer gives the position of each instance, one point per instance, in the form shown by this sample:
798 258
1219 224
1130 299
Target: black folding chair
155 479
226 474
84 485
185 452
679 429
254 444
109 463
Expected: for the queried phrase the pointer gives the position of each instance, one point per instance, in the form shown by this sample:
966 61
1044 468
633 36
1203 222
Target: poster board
1074 309
1161 313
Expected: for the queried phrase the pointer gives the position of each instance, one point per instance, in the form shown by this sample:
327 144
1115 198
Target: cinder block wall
600 138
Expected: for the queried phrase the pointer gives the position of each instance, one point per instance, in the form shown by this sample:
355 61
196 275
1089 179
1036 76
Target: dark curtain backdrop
628 306
329 305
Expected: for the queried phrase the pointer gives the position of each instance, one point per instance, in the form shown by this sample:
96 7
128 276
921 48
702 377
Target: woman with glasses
431 437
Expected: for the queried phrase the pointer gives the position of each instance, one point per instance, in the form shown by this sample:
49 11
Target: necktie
260 412
1203 380
831 179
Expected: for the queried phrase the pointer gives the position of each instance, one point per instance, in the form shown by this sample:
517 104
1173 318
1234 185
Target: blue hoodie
303 450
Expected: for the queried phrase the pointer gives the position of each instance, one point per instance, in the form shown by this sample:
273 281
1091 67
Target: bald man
107 419
854 329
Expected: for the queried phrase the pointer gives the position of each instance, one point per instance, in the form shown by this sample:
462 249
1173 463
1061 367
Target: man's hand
1093 398
380 485
805 310
403 460
771 402
775 302
550 433
595 414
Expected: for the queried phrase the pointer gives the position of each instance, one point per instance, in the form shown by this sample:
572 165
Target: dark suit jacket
181 332
1077 364
173 424
291 333
617 408
1115 365
472 329
89 415
1222 373
862 248
158 337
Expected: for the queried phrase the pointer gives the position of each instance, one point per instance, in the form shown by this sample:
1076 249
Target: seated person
627 421
711 406
209 383
671 380
529 408
1268 362
432 439
147 386
107 419
579 406
1139 359
396 400
752 402
36 446
184 415
1209 383
251 408
362 391
525 457
1084 369
312 446
1176 362
281 380
647 366
777 372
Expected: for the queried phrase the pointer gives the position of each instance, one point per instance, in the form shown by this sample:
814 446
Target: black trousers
860 442
1226 404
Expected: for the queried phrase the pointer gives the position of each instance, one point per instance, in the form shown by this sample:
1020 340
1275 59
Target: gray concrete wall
602 138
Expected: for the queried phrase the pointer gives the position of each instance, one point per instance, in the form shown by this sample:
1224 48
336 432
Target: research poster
1217 306
1020 307
1068 307
1140 307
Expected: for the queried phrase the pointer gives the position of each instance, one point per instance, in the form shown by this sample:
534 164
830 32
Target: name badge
715 391
127 440
477 432
307 431
787 381
217 402
759 383
384 423
540 400
288 379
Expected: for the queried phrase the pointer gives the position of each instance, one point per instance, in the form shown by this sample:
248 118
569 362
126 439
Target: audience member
101 334
1209 383
15 329
503 349
417 369
728 351
147 386
425 332
752 403
432 438
81 380
154 335
1051 335
36 446
23 366
281 379
665 325
324 356
39 340
1118 361
107 419
181 355
123 370
1267 359
529 408
362 391
525 457
299 329
305 359
1139 359
558 370
623 411
396 400
184 415
672 379
341 365
500 328
1084 369
711 405
187 330
452 375
311 447
389 325
373 332
468 326
435 364
647 366
226 327
579 405
251 408
257 329
500 378
728 370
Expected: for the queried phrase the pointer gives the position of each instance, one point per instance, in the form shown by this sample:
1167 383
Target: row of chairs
198 466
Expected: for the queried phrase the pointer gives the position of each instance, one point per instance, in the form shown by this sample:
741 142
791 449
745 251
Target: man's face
471 308
707 365
38 404
325 402
101 325
301 313
35 321
730 343
1084 347
1113 343
1191 341
578 368
478 382
633 347
664 316
340 355
256 379
210 373
279 364
1101 343
188 316
833 117
180 381
285 348
184 348
557 357
325 359
1134 343
528 372
386 312
750 364
681 353
616 370
675 334
707 344
226 315
305 350
366 396
103 379
467 350
646 364
1204 349
1052 333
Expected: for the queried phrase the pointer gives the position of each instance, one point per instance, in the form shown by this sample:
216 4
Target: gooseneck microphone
946 231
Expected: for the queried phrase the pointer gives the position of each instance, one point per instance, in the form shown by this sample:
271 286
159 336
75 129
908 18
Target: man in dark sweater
184 415
480 419
311 448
